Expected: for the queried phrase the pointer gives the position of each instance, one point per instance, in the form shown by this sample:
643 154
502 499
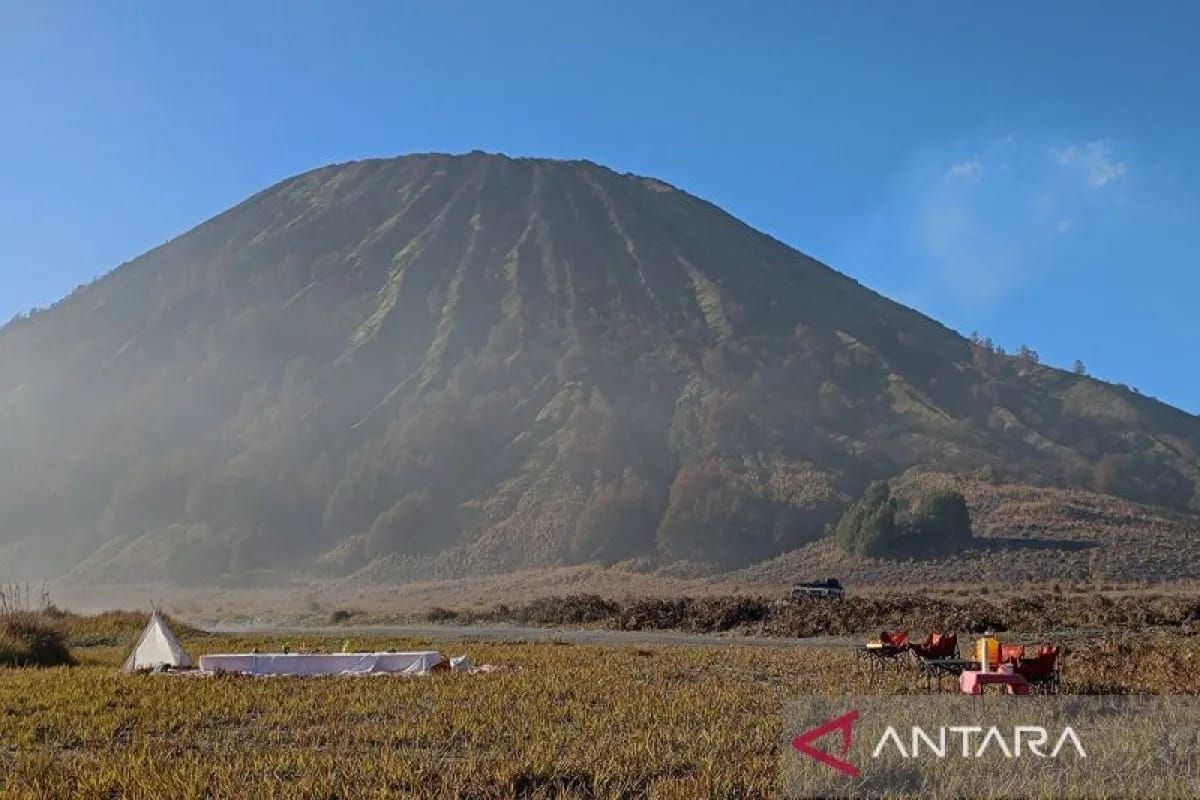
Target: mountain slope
473 363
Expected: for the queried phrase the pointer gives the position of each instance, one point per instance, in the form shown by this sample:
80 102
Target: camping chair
923 649
937 646
888 651
1011 653
950 644
937 658
1042 671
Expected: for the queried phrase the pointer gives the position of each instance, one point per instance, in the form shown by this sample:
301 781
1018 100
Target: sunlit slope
464 364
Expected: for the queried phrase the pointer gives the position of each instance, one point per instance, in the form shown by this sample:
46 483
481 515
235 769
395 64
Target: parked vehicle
830 588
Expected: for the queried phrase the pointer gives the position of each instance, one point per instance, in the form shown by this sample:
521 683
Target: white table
415 663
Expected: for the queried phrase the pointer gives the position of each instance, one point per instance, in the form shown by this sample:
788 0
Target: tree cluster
933 523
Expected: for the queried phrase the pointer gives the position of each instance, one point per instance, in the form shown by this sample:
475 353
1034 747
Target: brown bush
32 639
807 617
439 614
1136 664
571 610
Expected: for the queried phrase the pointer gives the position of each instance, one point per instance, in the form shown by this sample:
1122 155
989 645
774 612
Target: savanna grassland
563 720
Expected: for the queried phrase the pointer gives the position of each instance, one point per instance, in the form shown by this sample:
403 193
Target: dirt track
537 634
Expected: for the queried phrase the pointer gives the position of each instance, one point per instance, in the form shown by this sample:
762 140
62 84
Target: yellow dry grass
575 721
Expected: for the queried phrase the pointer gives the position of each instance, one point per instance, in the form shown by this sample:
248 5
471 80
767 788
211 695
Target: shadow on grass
1011 543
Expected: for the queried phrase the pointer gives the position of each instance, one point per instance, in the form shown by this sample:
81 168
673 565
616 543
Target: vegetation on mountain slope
933 523
474 364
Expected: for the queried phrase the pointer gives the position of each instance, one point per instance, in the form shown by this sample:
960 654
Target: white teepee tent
157 646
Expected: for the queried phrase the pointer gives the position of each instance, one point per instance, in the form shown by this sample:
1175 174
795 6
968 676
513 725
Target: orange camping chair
1011 653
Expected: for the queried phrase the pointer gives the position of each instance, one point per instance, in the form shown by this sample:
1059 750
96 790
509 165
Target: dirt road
503 632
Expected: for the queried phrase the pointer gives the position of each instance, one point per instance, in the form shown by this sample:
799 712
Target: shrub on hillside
934 523
938 522
868 526
710 519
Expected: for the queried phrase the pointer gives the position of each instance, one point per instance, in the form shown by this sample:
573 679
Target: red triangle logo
845 723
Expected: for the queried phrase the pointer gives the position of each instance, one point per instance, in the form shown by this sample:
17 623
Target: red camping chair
950 644
937 646
937 658
923 649
891 647
1042 671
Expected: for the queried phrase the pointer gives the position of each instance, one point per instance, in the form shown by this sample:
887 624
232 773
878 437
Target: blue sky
1027 170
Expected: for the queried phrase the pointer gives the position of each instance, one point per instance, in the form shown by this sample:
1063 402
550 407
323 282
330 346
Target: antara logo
845 724
975 742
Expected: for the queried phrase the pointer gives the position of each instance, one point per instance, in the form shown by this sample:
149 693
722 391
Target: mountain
464 364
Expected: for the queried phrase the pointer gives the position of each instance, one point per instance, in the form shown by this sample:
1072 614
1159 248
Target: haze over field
455 365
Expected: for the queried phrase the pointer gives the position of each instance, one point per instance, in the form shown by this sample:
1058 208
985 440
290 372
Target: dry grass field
566 720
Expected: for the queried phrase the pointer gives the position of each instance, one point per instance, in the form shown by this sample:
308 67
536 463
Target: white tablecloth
321 663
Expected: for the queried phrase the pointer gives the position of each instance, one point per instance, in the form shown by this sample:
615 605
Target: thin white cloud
970 171
1060 223
1095 159
975 222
